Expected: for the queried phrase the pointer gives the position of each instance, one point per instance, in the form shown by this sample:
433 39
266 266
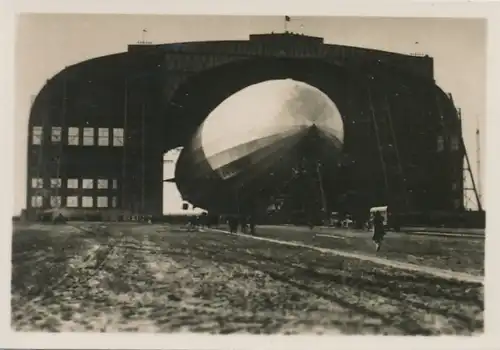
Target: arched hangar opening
200 95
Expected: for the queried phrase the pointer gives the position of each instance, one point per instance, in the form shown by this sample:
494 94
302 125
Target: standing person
233 224
243 222
378 230
252 225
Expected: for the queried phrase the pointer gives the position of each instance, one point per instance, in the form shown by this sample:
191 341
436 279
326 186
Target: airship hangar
98 129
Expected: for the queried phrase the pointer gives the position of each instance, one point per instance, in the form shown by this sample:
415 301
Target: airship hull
222 173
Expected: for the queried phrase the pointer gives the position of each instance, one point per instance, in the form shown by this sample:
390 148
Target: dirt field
162 279
456 254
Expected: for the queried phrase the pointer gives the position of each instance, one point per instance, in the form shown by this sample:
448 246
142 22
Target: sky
172 200
45 44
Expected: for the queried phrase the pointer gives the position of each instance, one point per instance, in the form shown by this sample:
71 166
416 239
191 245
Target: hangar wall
98 129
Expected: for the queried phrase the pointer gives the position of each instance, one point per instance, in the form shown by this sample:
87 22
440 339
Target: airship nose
323 125
302 109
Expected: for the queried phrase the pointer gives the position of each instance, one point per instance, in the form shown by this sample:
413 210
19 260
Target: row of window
87 139
37 182
455 143
72 201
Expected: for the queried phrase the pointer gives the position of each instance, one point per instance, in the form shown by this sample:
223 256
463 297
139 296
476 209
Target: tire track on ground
446 274
99 256
238 258
459 322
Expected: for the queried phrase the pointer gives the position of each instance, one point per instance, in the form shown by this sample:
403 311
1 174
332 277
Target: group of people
245 224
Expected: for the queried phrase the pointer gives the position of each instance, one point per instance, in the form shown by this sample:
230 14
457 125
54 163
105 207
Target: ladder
394 178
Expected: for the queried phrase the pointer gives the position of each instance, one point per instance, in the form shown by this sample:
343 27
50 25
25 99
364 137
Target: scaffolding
471 193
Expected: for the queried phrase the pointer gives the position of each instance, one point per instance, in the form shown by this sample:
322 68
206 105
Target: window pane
72 183
56 134
102 183
88 136
88 183
37 182
114 202
36 201
118 137
115 184
37 135
103 137
72 201
55 183
87 202
55 201
73 136
102 202
103 132
455 142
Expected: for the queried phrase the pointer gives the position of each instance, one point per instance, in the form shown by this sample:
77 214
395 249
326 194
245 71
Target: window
115 184
55 201
88 136
102 202
118 137
73 136
55 183
455 143
72 201
454 186
103 139
56 134
440 143
36 201
37 135
36 182
72 183
102 183
457 203
88 183
114 202
87 202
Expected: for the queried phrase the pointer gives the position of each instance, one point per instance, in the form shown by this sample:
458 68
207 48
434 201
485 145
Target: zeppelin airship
252 144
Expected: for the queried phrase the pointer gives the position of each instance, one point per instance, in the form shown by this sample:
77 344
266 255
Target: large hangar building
98 130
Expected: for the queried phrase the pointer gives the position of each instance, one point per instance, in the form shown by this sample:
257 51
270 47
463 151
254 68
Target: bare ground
455 254
157 279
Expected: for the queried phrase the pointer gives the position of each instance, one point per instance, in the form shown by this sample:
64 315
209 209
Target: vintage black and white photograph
249 175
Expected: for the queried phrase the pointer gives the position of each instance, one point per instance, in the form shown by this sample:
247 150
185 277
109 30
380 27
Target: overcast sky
48 43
